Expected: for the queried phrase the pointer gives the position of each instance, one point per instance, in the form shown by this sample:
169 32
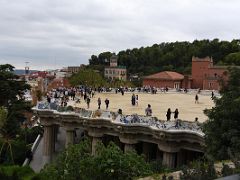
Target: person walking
107 103
136 99
168 114
133 100
196 99
88 102
148 110
99 103
212 94
176 114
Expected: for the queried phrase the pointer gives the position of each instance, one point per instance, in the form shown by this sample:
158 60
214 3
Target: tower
113 61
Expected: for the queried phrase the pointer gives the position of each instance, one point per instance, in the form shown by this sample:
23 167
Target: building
167 79
114 71
75 69
205 75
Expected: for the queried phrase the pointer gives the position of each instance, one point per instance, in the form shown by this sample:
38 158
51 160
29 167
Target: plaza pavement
160 102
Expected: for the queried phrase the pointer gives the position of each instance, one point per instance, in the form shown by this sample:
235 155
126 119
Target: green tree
233 59
222 130
11 114
109 163
174 56
88 78
11 88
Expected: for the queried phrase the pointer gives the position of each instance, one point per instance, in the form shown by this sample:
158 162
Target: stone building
167 79
205 75
114 71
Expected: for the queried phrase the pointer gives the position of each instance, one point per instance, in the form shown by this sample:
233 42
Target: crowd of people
82 94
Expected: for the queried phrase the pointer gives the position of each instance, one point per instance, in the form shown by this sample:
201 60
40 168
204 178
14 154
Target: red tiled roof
166 75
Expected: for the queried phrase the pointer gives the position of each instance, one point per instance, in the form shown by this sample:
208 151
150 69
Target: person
88 102
148 110
168 114
212 94
176 114
107 103
122 91
136 99
99 103
196 119
120 111
196 99
133 100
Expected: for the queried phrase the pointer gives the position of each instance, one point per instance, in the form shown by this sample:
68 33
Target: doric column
95 141
169 159
129 142
96 137
180 158
70 133
170 150
56 130
129 147
48 143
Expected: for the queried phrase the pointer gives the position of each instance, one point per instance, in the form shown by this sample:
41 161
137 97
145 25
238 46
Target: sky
51 34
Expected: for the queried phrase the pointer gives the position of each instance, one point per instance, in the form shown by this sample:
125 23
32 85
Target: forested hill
174 56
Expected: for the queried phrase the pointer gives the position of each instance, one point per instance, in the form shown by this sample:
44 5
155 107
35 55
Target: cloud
58 33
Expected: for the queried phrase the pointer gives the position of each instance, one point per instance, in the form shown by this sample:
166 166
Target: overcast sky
51 34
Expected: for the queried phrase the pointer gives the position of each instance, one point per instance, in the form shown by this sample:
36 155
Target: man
196 99
88 102
107 103
148 110
99 103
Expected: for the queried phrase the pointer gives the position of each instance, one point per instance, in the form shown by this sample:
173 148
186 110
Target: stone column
169 159
48 144
170 150
70 133
180 158
129 142
56 130
129 147
96 137
95 141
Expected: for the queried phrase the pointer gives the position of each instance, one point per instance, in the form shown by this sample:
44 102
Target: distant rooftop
169 75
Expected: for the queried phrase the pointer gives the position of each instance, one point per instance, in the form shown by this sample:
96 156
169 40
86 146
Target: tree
222 130
109 163
12 106
233 59
11 88
88 78
175 56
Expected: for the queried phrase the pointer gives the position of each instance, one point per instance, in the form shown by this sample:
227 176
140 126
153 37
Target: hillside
173 56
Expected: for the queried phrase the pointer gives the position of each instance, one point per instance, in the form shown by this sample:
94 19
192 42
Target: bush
109 163
18 149
200 170
15 172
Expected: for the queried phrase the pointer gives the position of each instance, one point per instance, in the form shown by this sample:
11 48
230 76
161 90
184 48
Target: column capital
95 133
169 147
128 139
46 121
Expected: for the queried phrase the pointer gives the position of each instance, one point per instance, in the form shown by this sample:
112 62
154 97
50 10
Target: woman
168 114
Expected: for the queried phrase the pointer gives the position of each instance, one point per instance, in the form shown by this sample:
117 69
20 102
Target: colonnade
171 155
